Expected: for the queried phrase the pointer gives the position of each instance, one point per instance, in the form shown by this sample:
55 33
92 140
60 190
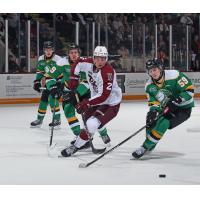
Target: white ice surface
24 157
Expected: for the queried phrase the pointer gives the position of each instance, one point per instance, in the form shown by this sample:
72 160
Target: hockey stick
84 165
52 128
94 150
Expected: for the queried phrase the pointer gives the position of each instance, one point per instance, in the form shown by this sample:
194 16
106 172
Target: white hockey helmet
101 51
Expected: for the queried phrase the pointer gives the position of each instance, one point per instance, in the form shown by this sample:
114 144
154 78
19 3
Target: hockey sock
42 110
81 139
54 103
103 131
73 121
57 113
155 134
152 139
74 125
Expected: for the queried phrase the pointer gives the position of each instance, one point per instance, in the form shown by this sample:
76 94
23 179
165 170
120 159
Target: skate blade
141 158
38 126
55 127
146 155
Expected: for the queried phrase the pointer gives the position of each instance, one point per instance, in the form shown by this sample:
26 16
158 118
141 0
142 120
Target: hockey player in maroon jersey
105 99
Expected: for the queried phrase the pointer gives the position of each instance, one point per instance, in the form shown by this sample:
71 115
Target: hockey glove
60 85
70 97
171 106
83 106
37 85
55 92
151 118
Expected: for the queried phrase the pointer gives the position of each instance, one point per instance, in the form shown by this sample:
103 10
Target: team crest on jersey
152 89
53 69
93 83
166 92
109 76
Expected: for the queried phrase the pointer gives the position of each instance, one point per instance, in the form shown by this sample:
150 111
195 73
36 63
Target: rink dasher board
18 88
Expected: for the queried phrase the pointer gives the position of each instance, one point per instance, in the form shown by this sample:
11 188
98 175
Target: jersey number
109 87
183 81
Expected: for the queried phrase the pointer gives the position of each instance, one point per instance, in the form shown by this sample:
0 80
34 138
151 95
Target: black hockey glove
60 85
55 92
37 85
171 106
70 97
151 118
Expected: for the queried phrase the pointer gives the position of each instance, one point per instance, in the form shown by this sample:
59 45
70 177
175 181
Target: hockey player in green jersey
46 70
170 97
76 85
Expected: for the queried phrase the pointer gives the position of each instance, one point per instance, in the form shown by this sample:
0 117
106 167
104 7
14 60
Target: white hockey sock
79 142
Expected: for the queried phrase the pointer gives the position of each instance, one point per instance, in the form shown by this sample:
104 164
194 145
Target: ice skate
37 123
106 140
138 153
67 152
56 124
85 146
74 140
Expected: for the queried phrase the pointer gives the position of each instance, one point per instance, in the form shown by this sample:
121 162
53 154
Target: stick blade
98 151
83 165
52 151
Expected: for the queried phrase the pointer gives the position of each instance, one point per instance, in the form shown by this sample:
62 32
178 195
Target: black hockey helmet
154 63
72 46
48 44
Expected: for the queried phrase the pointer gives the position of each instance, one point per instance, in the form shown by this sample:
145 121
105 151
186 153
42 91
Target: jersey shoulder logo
152 89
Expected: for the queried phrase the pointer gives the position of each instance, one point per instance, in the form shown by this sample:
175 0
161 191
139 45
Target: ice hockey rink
25 159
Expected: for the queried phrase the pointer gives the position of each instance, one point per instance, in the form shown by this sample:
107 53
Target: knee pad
92 124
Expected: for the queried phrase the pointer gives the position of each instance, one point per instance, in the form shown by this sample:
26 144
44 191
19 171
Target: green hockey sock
103 131
42 110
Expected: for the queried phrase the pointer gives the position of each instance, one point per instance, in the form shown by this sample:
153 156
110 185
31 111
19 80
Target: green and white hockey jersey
175 84
47 67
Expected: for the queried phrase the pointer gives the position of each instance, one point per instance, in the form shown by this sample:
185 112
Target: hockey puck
162 175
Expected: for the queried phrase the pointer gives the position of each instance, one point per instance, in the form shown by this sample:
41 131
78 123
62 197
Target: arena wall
18 88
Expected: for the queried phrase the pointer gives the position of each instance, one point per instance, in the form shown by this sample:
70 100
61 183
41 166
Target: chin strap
161 77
